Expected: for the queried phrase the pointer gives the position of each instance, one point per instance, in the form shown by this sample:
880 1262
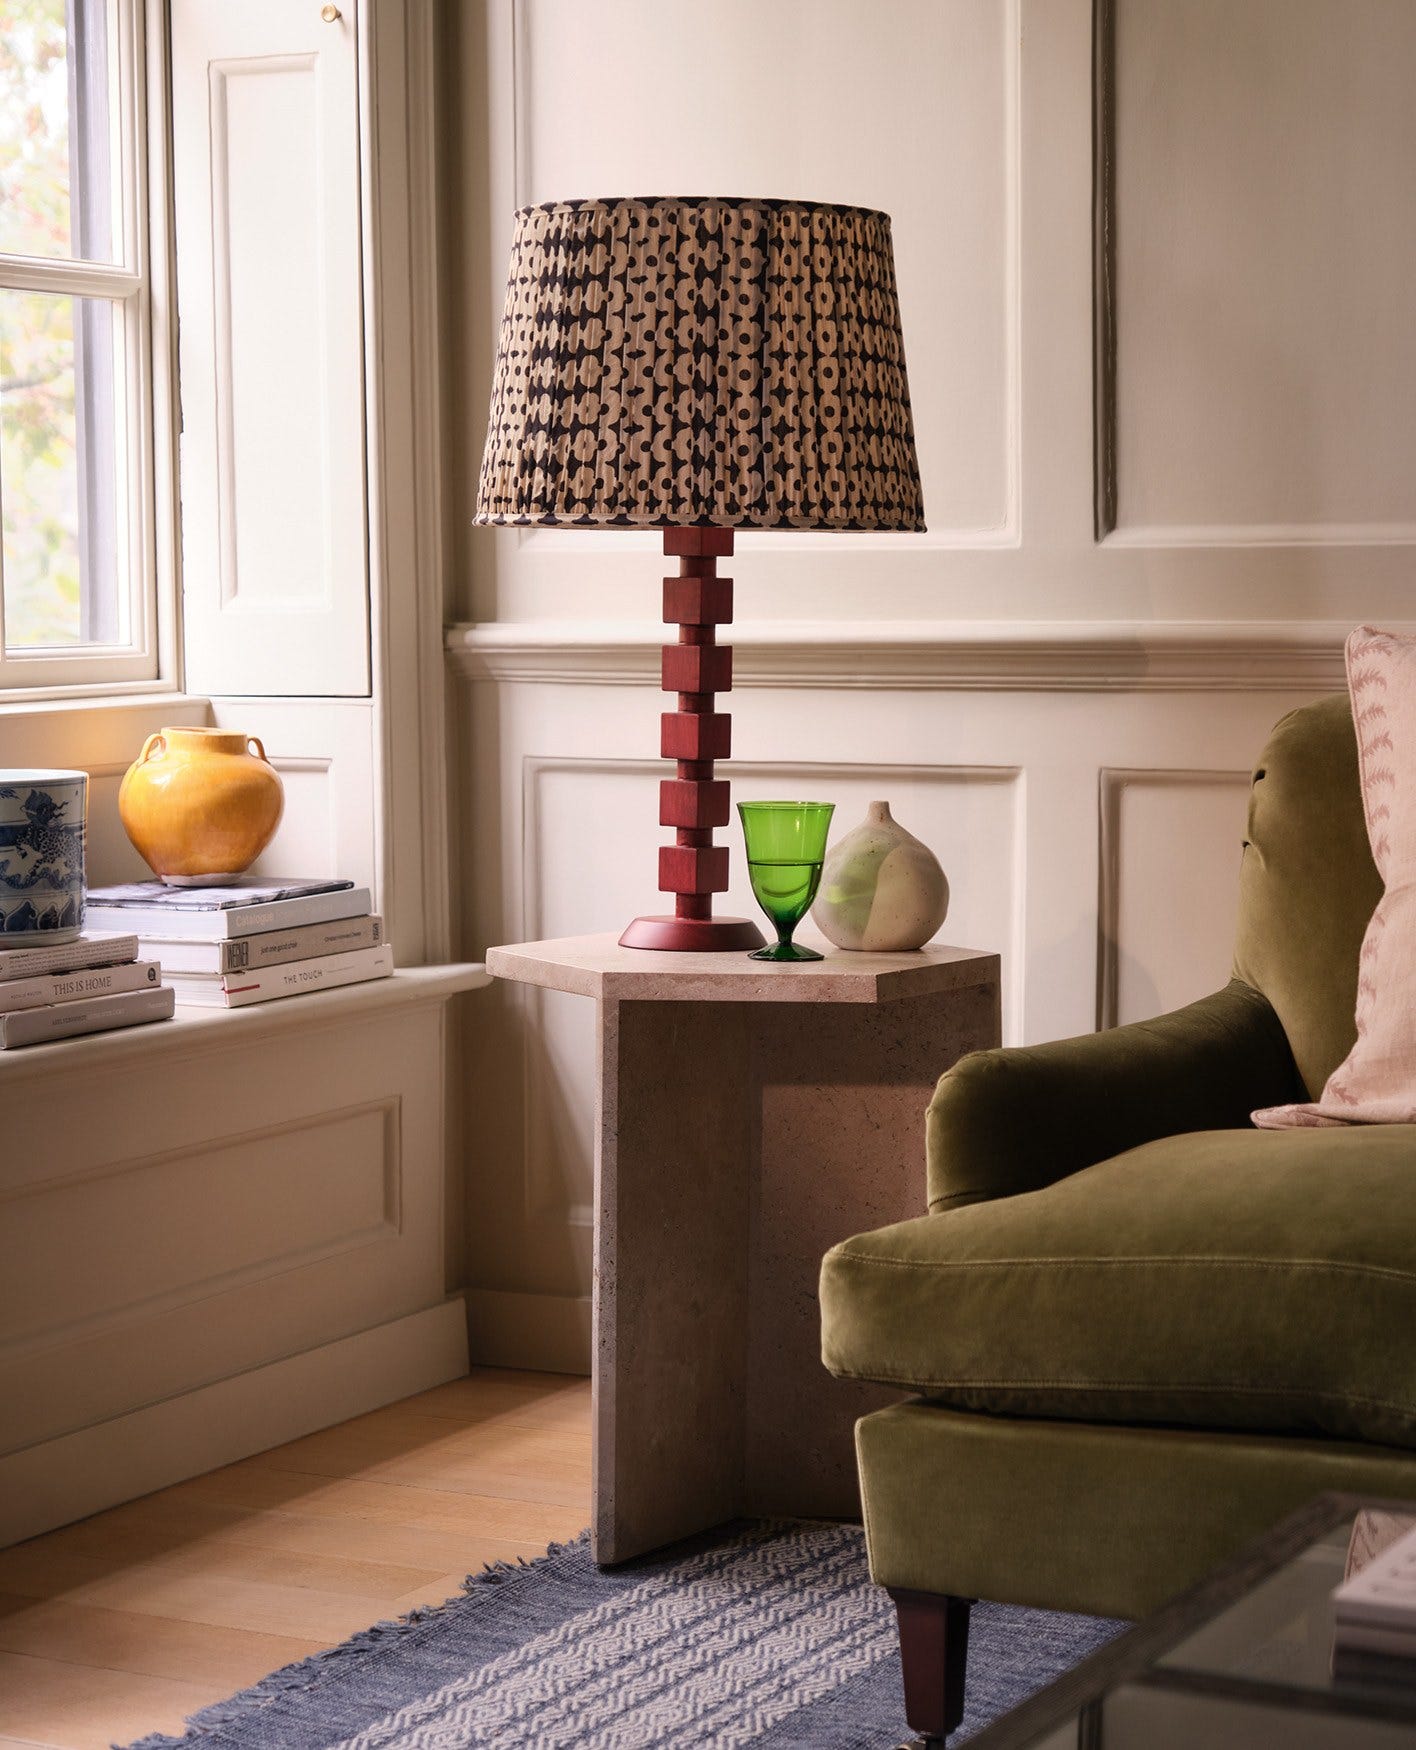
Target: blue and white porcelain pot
41 856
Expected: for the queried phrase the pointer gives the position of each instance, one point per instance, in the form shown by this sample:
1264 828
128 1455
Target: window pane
56 155
60 383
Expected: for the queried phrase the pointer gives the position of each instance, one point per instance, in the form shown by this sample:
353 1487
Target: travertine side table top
596 966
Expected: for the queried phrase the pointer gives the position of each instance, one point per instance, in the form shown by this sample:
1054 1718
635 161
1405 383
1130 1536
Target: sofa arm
1015 1120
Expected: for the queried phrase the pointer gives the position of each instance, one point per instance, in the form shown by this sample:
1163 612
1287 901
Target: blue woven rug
772 1637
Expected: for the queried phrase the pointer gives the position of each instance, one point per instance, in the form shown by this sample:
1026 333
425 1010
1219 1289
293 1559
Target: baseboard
81 1473
549 1333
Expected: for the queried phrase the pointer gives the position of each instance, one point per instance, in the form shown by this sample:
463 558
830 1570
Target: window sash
109 663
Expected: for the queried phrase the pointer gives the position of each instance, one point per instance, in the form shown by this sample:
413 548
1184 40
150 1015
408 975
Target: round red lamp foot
693 935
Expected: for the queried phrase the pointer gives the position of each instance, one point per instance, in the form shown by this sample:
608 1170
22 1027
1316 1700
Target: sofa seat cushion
1238 1279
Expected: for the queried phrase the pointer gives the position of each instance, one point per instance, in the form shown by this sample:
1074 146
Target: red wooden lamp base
693 935
693 801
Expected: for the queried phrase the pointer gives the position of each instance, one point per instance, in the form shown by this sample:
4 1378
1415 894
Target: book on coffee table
1374 1609
239 908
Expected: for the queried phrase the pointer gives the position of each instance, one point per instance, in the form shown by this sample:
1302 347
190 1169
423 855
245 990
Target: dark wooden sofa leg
934 1648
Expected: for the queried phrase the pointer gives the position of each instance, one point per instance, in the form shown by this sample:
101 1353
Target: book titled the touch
234 990
213 914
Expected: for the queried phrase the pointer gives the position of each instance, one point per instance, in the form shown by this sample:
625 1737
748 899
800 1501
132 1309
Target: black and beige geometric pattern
675 362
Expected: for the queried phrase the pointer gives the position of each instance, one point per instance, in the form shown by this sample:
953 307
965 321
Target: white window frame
146 661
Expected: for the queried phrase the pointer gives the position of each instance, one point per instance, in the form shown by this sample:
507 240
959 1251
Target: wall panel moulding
1253 381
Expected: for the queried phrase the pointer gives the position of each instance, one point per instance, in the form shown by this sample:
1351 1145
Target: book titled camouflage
213 914
90 1015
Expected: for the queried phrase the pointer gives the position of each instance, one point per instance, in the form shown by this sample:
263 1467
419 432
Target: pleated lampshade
678 362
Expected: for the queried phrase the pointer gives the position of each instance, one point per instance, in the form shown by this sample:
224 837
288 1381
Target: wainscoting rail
1176 656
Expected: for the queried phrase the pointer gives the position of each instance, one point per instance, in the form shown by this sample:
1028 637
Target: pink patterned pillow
1377 1083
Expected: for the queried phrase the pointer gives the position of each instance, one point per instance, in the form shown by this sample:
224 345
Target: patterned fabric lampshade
700 366
681 362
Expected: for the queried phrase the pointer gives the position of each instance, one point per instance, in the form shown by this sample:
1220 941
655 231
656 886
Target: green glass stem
784 948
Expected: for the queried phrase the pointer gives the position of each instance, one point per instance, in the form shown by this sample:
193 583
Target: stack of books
1374 1609
91 985
251 940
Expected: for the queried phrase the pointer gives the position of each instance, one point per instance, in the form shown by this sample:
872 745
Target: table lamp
700 366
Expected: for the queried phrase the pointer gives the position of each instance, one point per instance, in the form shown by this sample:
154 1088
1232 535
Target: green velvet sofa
1140 1329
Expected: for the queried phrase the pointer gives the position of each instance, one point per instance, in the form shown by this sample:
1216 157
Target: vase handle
253 745
157 740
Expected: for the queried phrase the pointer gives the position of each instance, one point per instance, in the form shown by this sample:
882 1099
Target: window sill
96 696
193 1032
99 735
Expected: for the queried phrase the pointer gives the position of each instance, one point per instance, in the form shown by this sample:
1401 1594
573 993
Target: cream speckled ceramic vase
881 889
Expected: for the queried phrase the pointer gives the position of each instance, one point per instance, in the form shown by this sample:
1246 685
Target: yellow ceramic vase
200 804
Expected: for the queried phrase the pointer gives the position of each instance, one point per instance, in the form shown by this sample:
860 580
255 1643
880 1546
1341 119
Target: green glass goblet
786 845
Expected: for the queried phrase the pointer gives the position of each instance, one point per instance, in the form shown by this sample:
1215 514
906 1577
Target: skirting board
93 1468
549 1333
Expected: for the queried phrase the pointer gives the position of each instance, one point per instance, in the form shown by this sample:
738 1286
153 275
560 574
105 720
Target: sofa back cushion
1308 885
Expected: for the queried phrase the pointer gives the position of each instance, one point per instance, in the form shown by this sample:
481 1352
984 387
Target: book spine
315 908
273 948
100 1015
214 925
299 976
1354 1637
68 956
68 987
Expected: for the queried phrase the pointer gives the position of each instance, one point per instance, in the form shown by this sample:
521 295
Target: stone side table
750 1116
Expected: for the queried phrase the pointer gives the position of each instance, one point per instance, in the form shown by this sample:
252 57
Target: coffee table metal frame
1078 1697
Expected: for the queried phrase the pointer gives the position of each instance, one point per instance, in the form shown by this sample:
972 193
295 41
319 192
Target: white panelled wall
1162 479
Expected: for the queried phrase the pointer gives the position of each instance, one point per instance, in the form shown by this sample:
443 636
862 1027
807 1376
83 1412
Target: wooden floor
127 1622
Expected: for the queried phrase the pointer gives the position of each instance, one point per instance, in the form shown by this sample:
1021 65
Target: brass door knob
329 13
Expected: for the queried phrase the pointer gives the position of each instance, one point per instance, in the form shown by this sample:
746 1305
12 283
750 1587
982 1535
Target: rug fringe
307 1672
495 1572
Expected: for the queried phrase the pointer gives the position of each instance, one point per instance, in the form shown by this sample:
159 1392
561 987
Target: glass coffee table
1243 1661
